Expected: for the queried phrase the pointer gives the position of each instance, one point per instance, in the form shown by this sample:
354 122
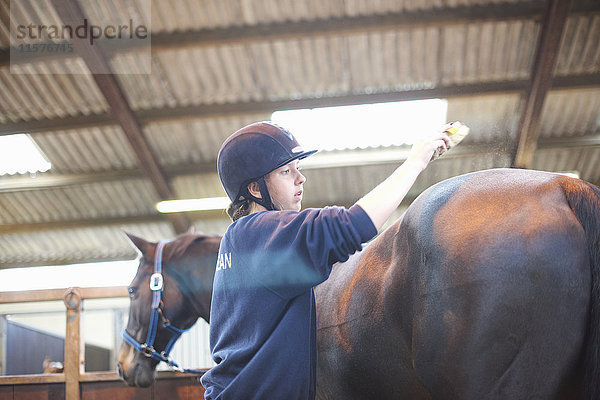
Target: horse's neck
196 286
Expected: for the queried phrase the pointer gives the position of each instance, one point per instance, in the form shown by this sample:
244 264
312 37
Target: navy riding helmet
250 154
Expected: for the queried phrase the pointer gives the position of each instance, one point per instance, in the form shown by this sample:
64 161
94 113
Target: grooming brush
456 132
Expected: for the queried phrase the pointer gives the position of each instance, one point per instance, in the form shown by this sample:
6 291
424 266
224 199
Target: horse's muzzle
136 376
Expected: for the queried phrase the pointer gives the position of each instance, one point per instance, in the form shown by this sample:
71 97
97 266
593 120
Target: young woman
263 317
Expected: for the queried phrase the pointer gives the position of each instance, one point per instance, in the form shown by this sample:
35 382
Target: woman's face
285 186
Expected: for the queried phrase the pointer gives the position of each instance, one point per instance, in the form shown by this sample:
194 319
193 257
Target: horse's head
166 302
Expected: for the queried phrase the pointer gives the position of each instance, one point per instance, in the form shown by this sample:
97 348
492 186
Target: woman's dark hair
238 209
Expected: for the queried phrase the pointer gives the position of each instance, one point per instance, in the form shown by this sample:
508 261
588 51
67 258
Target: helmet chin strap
265 201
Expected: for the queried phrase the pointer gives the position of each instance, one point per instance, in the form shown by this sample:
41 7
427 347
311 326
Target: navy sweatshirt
263 318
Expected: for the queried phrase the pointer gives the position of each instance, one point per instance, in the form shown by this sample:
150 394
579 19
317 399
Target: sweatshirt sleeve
290 252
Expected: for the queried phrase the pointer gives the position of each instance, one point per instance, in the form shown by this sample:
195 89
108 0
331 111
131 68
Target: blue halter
147 348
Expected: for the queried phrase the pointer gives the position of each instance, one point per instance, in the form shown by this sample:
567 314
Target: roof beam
20 228
379 156
71 14
64 260
294 29
546 53
465 14
57 124
23 228
67 259
578 142
157 115
10 229
52 181
321 161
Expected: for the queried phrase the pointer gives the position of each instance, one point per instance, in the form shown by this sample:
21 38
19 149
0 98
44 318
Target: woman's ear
254 190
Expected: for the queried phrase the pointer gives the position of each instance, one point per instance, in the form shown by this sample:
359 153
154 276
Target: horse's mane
178 246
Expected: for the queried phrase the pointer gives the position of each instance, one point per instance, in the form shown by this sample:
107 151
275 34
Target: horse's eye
131 291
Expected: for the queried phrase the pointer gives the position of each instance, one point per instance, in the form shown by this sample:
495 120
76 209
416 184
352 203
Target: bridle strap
147 348
265 199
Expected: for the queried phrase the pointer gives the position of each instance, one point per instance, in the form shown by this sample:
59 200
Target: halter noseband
147 348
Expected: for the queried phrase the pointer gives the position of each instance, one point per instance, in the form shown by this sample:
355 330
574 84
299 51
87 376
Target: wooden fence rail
75 383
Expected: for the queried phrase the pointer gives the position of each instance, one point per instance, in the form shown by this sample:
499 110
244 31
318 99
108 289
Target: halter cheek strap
147 348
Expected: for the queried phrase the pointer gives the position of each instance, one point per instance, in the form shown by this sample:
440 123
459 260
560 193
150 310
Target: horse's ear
141 245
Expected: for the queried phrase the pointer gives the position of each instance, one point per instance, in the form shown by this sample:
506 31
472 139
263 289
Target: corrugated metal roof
76 245
493 119
47 91
200 92
580 52
176 15
334 65
93 200
194 141
571 113
86 150
584 161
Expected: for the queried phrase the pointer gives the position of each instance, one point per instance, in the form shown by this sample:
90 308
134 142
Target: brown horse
487 287
188 270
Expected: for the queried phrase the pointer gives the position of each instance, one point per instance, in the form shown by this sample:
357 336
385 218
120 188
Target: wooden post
3 334
74 344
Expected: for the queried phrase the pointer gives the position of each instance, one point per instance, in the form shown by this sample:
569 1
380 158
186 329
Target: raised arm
380 203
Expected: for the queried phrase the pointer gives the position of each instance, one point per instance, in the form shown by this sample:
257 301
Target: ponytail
238 209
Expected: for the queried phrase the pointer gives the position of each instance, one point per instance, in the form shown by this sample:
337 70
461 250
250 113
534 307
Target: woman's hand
421 151
381 202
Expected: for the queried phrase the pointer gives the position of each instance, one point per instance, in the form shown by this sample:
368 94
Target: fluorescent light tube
185 205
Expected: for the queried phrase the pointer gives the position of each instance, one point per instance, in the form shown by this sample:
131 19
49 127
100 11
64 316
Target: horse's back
480 291
501 282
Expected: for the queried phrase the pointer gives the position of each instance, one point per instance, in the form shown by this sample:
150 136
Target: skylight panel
114 273
20 155
364 126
